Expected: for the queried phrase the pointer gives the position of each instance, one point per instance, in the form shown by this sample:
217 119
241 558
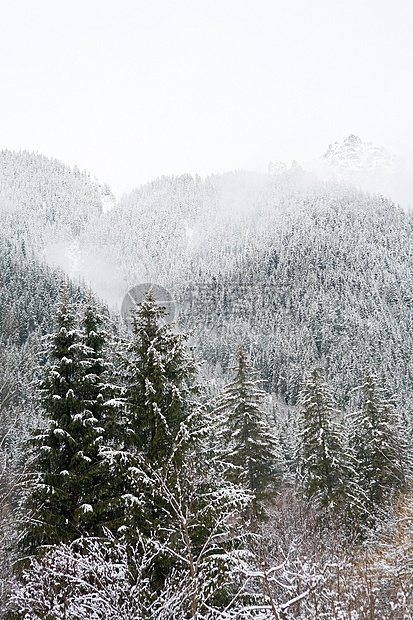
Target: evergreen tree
248 449
99 417
156 401
320 450
158 370
199 525
68 481
381 451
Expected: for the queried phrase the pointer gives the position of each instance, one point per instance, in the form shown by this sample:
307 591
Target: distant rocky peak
354 154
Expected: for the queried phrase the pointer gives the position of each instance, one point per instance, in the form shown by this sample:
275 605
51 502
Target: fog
131 91
106 280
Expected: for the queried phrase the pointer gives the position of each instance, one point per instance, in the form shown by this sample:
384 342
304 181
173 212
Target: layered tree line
145 499
122 458
134 485
296 269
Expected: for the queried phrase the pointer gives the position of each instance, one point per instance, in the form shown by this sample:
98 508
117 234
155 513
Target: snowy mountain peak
353 154
369 167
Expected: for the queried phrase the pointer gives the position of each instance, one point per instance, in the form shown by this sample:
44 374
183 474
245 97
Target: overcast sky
133 89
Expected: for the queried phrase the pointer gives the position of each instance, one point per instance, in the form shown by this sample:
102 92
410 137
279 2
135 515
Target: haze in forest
133 91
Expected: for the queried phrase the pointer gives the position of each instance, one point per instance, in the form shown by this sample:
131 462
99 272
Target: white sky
133 89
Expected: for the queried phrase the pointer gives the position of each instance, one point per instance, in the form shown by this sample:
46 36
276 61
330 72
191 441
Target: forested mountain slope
44 206
29 293
303 273
310 281
300 271
43 200
330 286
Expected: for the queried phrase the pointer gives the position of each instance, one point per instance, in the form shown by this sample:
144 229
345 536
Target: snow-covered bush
86 579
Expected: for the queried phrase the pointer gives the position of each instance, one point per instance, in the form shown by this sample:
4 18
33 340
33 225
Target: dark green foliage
54 497
99 416
248 449
381 450
156 399
320 452
70 482
158 371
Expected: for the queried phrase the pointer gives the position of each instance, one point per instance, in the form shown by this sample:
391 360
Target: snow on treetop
354 154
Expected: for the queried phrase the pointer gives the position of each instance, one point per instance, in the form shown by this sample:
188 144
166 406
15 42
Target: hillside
306 281
328 286
299 270
42 200
305 272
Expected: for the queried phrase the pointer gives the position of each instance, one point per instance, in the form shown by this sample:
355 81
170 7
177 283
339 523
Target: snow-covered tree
198 528
99 417
158 369
321 461
247 448
381 450
294 566
68 479
88 579
389 562
18 417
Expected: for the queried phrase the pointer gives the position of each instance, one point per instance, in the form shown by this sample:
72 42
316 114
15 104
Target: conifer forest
206 396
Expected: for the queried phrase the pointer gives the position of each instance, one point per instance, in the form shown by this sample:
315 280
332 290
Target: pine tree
156 372
69 476
248 449
320 450
381 451
99 418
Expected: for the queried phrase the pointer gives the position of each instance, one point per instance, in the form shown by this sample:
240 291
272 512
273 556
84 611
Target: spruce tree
249 450
320 449
381 450
68 482
99 417
156 372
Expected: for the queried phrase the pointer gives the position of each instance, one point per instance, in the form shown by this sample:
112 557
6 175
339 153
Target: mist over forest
247 456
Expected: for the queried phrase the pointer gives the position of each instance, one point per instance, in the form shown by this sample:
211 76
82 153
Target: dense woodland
251 460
